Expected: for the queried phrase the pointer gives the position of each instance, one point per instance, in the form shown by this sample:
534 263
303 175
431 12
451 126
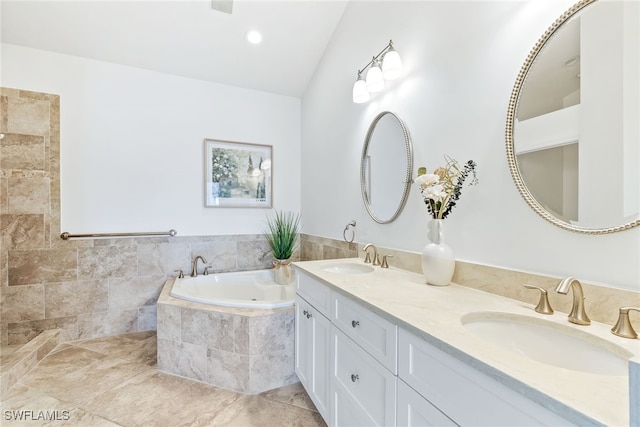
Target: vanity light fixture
360 92
375 81
386 65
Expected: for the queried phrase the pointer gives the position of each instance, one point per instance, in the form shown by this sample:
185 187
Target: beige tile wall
315 248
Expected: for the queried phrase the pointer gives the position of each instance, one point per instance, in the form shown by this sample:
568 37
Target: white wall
461 60
132 143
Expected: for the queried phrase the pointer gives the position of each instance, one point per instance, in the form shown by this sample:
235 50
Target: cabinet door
313 354
414 410
304 343
363 391
321 390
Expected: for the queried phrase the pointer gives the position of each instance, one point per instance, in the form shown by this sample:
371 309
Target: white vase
283 272
438 262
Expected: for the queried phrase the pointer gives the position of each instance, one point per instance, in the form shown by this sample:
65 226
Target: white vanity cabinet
463 394
347 361
361 369
313 343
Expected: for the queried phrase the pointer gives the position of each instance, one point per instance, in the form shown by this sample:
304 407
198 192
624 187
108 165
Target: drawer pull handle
355 323
354 378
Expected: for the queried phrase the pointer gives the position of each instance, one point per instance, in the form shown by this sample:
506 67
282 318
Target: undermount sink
348 268
549 343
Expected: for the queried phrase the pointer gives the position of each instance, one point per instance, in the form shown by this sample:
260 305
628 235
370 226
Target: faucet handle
385 264
543 306
180 274
623 327
367 257
206 270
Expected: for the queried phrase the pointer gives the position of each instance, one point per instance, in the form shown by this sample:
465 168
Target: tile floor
113 381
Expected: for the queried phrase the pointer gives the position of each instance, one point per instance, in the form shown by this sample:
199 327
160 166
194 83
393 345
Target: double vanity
377 346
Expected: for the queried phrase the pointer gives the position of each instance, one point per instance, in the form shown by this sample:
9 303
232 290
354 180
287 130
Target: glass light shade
391 65
375 81
360 92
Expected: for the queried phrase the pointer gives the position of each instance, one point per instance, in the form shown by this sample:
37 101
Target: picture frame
237 174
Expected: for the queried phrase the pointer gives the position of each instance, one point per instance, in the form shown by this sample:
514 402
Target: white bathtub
246 289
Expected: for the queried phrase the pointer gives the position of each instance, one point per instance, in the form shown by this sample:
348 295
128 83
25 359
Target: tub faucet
577 315
194 266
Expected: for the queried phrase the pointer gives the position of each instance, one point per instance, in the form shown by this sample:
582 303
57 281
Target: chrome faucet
194 266
577 315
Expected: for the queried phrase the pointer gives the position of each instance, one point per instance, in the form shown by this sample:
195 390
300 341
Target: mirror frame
511 118
408 180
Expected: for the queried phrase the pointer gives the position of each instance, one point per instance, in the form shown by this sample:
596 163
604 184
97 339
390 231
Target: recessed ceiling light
254 37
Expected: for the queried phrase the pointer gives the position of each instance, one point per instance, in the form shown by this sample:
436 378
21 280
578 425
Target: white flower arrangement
442 188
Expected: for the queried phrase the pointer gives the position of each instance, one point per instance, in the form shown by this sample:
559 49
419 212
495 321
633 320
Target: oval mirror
385 167
573 133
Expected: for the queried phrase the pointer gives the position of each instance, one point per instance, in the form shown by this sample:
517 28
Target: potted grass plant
282 236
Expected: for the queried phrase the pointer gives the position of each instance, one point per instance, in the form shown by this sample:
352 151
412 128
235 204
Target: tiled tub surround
434 314
245 350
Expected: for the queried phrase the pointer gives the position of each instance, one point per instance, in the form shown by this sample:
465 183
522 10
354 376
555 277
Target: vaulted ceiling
185 38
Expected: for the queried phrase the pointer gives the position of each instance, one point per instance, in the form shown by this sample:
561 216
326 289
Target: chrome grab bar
66 235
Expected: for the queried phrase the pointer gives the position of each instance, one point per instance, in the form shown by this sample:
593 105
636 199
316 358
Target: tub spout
194 266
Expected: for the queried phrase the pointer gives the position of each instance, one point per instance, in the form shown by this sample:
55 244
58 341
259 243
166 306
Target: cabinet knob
355 323
306 313
354 378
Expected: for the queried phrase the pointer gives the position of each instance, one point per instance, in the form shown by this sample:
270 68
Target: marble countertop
435 313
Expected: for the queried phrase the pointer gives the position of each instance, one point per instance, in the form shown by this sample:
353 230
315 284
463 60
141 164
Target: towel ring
347 228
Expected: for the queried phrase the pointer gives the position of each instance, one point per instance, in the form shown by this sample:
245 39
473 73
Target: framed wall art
237 174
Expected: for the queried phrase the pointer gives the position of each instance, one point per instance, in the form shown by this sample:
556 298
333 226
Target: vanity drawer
363 391
317 293
465 395
372 332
